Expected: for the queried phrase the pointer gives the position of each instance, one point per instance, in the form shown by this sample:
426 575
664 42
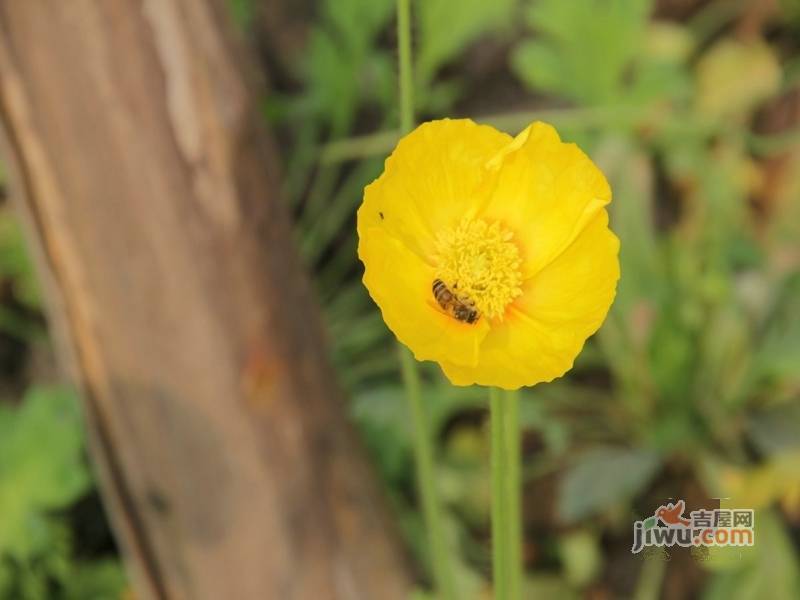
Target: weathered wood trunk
178 302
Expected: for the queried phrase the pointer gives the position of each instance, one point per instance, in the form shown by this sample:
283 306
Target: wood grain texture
180 307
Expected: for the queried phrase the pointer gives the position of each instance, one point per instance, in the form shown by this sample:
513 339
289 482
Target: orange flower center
480 262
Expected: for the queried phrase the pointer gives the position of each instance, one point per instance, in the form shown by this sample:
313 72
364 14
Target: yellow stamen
480 262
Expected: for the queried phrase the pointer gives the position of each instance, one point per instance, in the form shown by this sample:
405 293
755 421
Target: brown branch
149 194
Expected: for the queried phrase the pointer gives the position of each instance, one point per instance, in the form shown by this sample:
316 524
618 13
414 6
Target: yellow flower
488 254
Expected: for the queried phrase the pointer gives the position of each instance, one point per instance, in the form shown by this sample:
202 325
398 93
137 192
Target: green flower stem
651 578
506 493
406 75
426 479
423 436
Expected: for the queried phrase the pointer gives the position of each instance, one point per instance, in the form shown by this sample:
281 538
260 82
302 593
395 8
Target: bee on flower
488 254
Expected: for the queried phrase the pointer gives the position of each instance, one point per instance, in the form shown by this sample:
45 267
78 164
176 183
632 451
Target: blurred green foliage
693 382
14 262
42 472
439 44
692 387
583 49
36 476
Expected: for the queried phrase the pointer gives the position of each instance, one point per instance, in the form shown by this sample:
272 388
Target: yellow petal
517 352
400 283
434 177
546 327
575 291
547 195
546 192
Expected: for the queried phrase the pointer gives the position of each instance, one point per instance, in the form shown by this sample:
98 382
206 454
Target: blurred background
691 390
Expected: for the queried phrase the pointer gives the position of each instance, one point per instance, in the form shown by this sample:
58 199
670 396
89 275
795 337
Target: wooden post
180 307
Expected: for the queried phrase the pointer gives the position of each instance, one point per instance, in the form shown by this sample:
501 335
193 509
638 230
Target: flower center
480 264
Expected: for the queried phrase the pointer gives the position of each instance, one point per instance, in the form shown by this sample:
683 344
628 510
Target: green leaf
383 418
539 66
778 354
734 77
447 27
98 580
243 12
604 477
642 289
580 553
769 569
41 467
583 49
15 263
343 68
776 430
548 586
631 174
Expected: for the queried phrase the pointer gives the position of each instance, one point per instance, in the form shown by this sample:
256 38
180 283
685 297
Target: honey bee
458 307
